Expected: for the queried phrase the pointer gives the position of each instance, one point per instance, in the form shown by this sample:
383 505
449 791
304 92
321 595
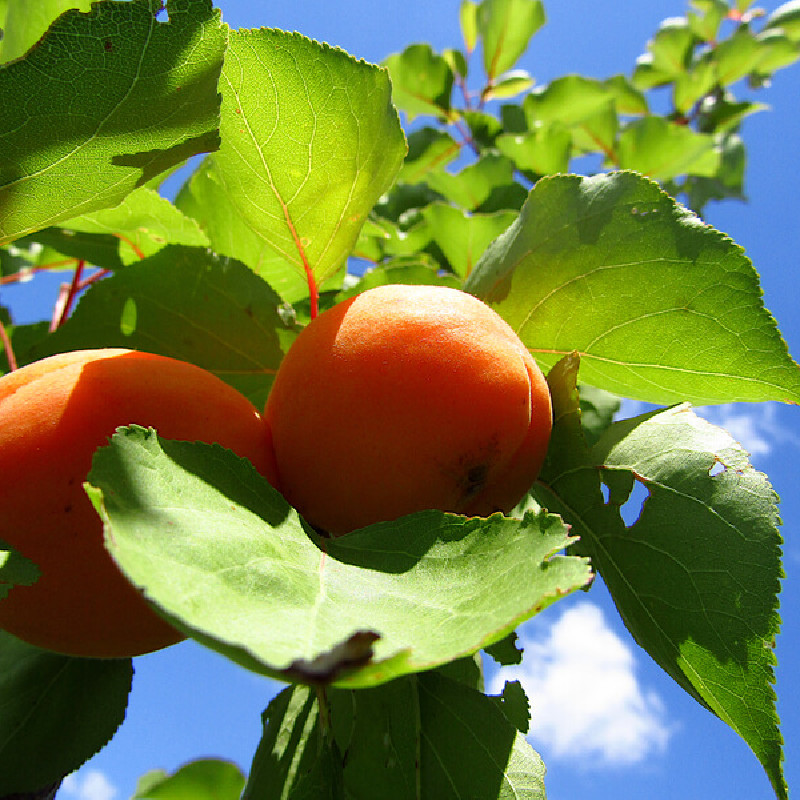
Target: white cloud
89 785
754 425
586 701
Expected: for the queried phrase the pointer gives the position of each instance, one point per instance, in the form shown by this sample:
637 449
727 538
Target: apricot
53 416
406 398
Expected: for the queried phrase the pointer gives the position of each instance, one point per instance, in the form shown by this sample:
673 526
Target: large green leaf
56 712
107 101
189 304
222 554
696 576
660 306
416 737
205 199
310 141
506 28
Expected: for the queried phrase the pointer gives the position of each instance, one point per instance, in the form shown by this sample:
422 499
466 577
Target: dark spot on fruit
475 480
68 508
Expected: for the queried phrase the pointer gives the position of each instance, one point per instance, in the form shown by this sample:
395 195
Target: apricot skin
53 415
406 398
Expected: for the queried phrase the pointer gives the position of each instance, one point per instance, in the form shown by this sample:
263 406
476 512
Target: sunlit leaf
468 18
204 779
300 167
229 562
786 18
506 28
463 237
144 222
660 307
107 101
662 149
422 81
509 85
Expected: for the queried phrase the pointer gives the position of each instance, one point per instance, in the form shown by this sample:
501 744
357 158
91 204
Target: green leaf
489 181
777 51
56 712
627 98
205 199
463 237
296 163
786 18
506 652
457 62
420 736
706 530
506 28
672 46
584 105
483 128
240 572
294 761
694 84
697 576
422 81
660 307
15 570
545 150
598 409
662 149
413 270
509 85
204 779
468 19
25 23
24 340
188 304
107 101
705 25
737 56
144 222
428 148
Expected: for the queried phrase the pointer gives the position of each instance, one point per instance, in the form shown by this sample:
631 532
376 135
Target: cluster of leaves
309 171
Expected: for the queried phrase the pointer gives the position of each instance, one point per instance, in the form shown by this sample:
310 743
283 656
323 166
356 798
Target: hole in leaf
162 15
716 469
632 508
606 492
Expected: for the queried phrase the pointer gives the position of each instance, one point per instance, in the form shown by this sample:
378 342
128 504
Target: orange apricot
53 415
406 398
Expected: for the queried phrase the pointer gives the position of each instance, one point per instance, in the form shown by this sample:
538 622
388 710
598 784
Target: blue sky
623 729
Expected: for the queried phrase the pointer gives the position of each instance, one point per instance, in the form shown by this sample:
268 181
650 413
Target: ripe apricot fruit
406 398
53 415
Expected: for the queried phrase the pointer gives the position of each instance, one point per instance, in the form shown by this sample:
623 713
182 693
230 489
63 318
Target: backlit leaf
26 22
506 28
660 306
297 162
422 81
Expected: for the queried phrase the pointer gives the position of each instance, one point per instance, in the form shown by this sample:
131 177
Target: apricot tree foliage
616 288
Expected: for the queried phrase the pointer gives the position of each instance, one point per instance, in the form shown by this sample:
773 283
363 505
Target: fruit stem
66 297
12 361
313 291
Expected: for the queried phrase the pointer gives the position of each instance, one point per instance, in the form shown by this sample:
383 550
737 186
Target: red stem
12 361
66 298
24 273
